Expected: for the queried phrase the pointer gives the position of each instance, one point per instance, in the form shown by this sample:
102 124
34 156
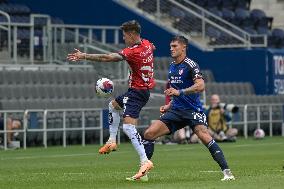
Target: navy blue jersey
182 76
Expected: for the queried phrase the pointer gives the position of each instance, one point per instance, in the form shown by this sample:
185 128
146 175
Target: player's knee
149 135
112 106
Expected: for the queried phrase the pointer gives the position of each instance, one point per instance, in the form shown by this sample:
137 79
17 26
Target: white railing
55 37
8 29
245 122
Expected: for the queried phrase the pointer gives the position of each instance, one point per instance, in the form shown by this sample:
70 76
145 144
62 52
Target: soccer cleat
141 179
108 147
144 169
228 175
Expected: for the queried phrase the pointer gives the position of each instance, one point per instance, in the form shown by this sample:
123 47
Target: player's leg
169 123
145 164
114 120
202 132
133 102
155 130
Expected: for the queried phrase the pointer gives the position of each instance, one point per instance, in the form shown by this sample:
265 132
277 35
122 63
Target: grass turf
255 163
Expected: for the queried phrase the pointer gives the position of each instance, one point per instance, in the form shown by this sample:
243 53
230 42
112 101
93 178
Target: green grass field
256 164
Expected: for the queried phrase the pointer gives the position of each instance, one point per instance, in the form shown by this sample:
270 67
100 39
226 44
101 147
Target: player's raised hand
172 92
77 55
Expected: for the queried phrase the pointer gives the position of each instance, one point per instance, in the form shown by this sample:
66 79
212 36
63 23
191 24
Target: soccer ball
104 87
259 134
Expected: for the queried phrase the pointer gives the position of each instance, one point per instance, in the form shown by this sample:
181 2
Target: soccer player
139 56
186 82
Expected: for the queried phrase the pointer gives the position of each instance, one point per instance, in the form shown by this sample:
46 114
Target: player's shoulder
146 41
187 61
172 63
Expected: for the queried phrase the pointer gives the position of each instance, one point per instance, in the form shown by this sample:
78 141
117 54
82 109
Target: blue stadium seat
229 4
177 13
213 4
242 17
213 34
201 3
244 4
228 15
263 31
216 12
276 39
260 19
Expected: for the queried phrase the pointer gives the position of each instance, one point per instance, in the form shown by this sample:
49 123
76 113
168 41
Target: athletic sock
114 120
217 154
136 140
149 147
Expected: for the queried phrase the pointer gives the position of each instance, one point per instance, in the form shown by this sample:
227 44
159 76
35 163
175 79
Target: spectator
217 119
11 124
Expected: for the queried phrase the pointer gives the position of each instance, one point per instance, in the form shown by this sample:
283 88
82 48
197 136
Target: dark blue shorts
133 101
177 119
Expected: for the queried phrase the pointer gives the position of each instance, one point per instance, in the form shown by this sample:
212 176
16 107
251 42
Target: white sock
136 140
114 120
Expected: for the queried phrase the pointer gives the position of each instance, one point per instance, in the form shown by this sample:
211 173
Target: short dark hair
180 39
131 26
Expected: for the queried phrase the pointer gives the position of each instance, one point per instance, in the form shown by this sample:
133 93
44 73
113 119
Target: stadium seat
229 4
228 15
213 4
202 3
277 38
244 4
176 13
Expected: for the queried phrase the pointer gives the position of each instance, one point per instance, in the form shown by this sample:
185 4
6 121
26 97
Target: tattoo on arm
112 57
197 87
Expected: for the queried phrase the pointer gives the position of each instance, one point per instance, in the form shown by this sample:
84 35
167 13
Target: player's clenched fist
165 108
172 92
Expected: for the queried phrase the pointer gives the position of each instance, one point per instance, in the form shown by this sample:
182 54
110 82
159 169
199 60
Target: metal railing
201 26
273 117
7 28
40 41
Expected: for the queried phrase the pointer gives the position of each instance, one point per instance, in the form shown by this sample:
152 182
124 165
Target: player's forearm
196 88
98 57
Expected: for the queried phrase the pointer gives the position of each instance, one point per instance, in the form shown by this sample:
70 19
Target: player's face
177 49
128 38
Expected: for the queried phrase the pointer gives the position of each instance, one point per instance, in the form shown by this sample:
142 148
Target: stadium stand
238 12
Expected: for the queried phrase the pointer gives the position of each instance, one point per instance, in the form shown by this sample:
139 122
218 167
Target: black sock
149 147
217 154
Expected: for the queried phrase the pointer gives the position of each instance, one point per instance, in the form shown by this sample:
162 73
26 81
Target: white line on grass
125 151
210 171
48 156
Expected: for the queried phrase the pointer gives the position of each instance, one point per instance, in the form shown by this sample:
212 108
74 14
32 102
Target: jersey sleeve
195 72
125 53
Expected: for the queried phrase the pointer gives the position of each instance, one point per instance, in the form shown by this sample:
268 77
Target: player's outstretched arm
78 55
